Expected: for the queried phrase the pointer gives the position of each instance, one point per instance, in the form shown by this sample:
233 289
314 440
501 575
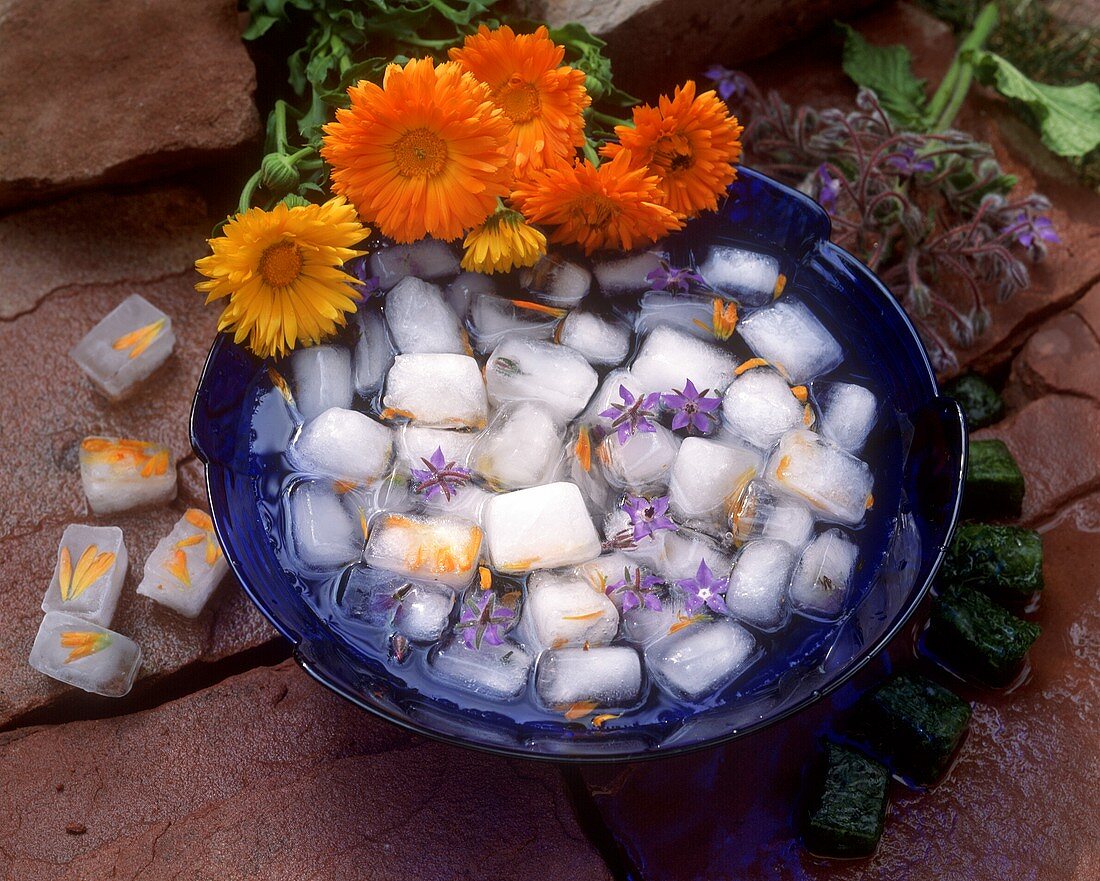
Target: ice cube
749 277
462 292
557 281
522 369
606 569
124 349
274 419
682 551
788 335
670 357
421 321
467 501
647 551
609 676
322 379
579 469
437 391
708 478
344 444
757 591
609 393
499 672
642 625
834 483
87 579
563 610
691 313
521 447
80 653
823 576
627 275
761 513
431 547
416 443
644 462
186 565
493 319
760 407
539 528
699 659
119 474
848 413
373 352
429 259
327 531
423 611
602 342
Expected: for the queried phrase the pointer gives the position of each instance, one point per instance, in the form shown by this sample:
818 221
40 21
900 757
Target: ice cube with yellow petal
429 547
763 513
541 527
760 406
121 473
87 579
708 478
567 610
126 347
78 652
185 566
835 484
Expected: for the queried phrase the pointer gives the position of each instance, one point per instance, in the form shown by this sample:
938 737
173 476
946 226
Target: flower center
281 264
420 153
519 100
595 211
674 153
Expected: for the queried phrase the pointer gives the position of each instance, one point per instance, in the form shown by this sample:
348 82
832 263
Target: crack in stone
590 821
80 286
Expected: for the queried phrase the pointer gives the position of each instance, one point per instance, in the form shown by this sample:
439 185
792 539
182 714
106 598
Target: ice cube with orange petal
121 473
608 676
433 547
78 652
125 348
185 566
87 579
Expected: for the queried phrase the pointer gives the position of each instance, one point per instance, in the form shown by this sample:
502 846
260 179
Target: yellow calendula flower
505 241
281 272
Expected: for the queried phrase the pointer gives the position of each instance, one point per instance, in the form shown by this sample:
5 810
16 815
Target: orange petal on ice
538 307
587 616
749 365
580 709
583 449
83 643
65 573
177 567
199 519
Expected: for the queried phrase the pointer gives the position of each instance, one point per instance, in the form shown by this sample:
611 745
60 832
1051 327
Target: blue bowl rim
953 415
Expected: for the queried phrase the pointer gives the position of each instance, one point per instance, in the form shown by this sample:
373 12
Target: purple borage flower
673 280
636 590
359 268
905 162
633 414
692 407
828 188
441 476
727 83
647 516
1025 230
704 590
482 620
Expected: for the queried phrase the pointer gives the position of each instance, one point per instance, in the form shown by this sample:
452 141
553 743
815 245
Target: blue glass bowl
919 463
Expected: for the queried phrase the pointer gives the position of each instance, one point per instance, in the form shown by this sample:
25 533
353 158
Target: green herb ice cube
1006 562
847 808
994 485
978 399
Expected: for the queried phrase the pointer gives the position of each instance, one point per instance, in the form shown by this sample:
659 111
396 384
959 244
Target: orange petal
602 719
177 567
199 519
485 577
65 573
587 616
583 449
539 307
580 709
749 365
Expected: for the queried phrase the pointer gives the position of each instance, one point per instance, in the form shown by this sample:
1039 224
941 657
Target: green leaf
1068 116
888 72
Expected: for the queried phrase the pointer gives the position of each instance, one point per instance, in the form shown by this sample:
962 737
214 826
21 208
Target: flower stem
949 97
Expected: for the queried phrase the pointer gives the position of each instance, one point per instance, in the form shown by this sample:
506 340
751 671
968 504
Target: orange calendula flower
137 341
424 154
542 99
91 566
280 271
83 643
502 243
610 206
690 141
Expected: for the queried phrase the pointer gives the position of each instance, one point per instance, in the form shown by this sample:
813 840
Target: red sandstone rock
107 91
270 776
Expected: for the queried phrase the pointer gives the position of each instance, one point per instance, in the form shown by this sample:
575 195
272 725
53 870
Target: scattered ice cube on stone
627 275
557 281
119 474
848 413
429 259
124 349
466 288
344 444
87 579
326 529
563 610
80 653
423 611
745 275
437 391
421 321
494 671
521 447
788 335
602 342
494 318
522 369
609 676
762 513
669 357
373 352
186 565
757 591
542 527
760 407
708 478
682 551
416 443
322 379
644 462
690 313
697 660
834 483
823 575
433 547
